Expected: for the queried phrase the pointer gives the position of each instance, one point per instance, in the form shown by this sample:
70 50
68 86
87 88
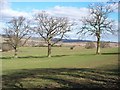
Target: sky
73 10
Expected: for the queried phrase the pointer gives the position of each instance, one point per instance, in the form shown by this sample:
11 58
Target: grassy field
77 68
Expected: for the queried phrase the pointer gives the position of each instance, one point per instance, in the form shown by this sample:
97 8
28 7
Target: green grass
65 69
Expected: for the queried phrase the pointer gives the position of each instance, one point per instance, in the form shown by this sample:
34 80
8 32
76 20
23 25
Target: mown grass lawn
77 68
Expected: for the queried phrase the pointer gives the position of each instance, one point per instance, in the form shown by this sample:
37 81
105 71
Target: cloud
114 7
70 12
4 4
7 12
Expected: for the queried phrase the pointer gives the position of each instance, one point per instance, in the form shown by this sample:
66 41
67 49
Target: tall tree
48 27
98 22
16 30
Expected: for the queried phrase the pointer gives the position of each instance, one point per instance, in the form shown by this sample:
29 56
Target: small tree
105 44
16 30
48 27
90 45
98 22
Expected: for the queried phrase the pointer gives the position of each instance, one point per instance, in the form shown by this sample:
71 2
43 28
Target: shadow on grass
46 56
84 78
6 57
86 54
59 55
32 57
93 54
110 53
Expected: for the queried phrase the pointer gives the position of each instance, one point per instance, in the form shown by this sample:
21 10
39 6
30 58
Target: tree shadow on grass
6 57
32 57
117 53
59 55
20 57
84 78
92 54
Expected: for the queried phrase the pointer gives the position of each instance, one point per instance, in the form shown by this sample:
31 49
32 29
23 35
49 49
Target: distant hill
74 40
77 40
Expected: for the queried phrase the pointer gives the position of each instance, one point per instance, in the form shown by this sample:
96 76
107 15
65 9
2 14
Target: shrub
104 44
89 45
72 47
6 47
0 46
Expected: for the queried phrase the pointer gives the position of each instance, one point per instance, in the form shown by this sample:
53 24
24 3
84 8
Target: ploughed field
77 68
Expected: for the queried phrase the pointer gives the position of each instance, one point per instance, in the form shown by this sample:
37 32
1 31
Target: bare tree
98 22
48 27
17 29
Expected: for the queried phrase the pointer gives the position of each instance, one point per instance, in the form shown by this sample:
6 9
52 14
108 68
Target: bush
0 45
104 44
72 47
6 47
59 45
89 45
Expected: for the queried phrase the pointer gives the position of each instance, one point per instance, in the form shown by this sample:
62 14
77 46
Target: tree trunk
98 45
49 49
15 54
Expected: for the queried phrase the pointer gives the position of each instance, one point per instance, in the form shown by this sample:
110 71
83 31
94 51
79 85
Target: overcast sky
73 10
